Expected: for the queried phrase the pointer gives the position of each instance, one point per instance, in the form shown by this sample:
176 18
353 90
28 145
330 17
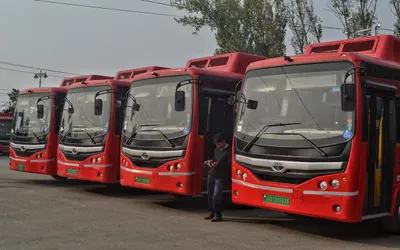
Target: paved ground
37 212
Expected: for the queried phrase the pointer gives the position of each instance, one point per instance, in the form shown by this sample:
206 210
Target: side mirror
179 101
252 104
40 111
98 106
348 96
135 107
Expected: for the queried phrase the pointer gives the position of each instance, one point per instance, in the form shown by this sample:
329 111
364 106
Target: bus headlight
98 159
244 176
238 172
170 168
335 183
323 185
93 160
178 166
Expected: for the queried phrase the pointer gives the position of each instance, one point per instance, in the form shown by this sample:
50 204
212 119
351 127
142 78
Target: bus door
218 117
380 133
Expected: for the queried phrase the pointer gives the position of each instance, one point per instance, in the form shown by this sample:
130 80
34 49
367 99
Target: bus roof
77 79
129 74
381 50
6 116
231 65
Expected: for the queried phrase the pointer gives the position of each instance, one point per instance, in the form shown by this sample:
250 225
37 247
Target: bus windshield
78 118
307 95
26 123
157 117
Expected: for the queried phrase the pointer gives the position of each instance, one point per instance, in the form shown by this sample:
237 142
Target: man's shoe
218 218
209 217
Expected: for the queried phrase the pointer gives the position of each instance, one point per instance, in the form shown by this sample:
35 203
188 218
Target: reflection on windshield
82 122
156 98
305 94
26 122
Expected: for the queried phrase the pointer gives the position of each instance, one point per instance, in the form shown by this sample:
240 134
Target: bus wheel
391 224
59 177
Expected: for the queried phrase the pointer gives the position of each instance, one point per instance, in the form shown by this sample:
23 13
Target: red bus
5 131
316 134
34 138
90 129
170 119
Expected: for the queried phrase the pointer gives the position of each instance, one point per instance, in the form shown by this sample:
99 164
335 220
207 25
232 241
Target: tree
396 6
304 24
13 95
251 26
355 15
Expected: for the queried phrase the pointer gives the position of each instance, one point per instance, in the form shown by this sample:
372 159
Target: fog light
170 168
236 193
98 159
179 185
335 183
238 172
323 185
337 208
178 166
99 174
244 176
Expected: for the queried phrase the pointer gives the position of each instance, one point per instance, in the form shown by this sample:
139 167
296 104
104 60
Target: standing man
220 167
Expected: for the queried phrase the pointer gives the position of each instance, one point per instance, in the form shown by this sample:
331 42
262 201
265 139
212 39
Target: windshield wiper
262 131
310 142
34 134
67 132
164 136
90 137
135 131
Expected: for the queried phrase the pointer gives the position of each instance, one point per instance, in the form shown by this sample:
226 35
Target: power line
27 72
108 8
32 67
156 2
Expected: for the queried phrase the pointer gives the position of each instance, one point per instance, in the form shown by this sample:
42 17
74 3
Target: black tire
391 224
60 178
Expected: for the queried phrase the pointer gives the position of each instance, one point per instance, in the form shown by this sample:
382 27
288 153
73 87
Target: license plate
142 180
280 200
72 171
20 167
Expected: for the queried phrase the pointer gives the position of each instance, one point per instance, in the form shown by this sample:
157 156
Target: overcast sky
91 41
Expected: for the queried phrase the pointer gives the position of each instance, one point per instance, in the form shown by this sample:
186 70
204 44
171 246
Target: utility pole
40 75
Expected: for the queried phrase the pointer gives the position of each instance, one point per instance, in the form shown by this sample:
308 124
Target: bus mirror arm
348 91
180 95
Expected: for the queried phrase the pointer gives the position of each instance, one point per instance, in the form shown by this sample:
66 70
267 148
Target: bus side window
398 119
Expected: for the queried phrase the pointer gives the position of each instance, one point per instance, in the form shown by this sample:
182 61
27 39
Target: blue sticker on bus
46 130
186 130
347 134
336 89
105 129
